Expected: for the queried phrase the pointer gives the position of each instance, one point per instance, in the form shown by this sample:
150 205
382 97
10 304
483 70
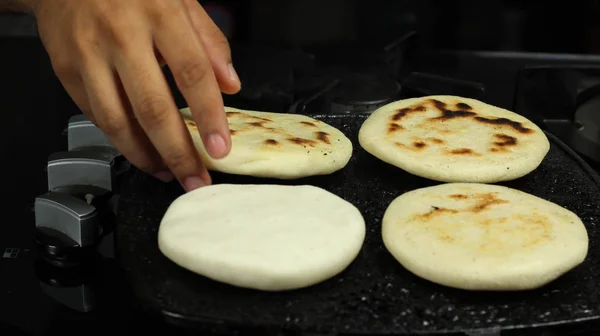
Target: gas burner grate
365 92
334 79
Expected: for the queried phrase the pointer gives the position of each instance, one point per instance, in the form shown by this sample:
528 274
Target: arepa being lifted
276 145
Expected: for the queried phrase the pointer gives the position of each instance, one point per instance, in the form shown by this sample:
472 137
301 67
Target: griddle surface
375 294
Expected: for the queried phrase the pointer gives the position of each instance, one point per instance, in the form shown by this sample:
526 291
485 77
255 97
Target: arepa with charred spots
276 145
483 237
454 139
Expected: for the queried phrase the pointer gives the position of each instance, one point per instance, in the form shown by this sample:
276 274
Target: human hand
108 56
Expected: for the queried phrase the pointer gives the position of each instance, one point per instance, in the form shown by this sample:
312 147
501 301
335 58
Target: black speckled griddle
375 295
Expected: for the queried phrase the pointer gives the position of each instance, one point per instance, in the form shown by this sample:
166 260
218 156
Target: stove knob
82 133
67 227
83 168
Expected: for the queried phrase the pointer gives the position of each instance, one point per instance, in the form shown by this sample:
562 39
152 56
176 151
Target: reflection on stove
75 286
80 298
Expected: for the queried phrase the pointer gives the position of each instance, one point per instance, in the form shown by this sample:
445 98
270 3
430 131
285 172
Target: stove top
338 80
59 270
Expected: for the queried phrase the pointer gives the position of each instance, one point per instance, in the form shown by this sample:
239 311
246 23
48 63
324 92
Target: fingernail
165 176
233 74
216 145
192 183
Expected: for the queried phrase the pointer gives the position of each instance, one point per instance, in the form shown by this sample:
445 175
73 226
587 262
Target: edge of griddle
580 161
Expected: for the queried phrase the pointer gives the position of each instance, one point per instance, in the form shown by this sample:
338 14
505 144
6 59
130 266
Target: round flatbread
454 139
483 237
277 145
264 237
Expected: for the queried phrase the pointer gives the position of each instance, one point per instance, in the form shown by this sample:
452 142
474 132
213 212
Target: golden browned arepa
276 145
483 237
454 139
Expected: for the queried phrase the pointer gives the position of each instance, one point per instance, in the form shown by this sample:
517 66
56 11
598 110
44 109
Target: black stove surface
38 299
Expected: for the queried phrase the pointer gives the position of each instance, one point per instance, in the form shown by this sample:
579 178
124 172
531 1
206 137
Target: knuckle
153 111
121 39
223 44
116 25
111 124
64 67
190 74
85 40
120 35
161 11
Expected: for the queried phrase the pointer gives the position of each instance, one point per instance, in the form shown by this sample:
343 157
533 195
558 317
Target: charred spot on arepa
482 203
413 147
436 141
403 112
191 124
449 114
463 106
232 131
505 140
517 126
462 110
419 144
271 142
246 115
503 143
393 127
462 151
458 196
259 124
260 118
438 104
485 201
323 137
400 145
435 211
308 123
302 141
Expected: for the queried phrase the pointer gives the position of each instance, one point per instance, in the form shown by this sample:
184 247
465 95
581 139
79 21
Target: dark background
534 26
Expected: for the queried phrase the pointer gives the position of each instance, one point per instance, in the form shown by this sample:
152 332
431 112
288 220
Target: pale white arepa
265 237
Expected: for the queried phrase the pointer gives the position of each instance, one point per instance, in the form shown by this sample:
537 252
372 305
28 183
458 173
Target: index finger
157 114
195 78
